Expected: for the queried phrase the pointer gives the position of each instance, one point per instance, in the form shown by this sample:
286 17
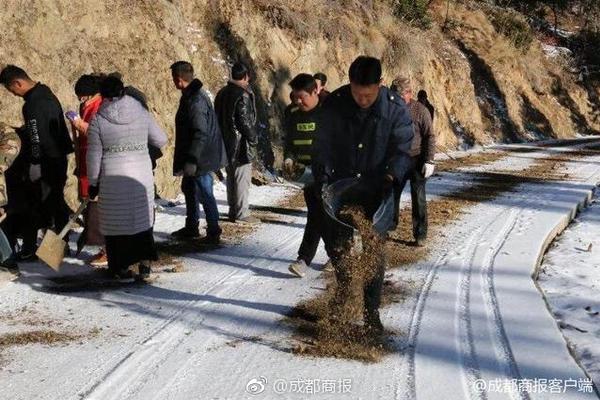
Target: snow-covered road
476 327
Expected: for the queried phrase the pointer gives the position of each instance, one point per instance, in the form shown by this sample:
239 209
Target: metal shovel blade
52 250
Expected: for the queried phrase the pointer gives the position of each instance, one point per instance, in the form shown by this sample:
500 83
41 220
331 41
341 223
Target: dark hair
183 70
87 85
112 87
365 71
422 95
11 73
322 77
304 82
239 71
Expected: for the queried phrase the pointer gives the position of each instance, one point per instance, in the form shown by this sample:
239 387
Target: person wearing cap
87 90
321 80
236 112
301 127
48 145
422 152
366 135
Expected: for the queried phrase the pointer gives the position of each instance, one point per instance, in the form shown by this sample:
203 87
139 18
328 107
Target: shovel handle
82 207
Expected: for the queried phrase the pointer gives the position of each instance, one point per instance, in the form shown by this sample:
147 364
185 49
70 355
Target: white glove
427 170
35 172
189 169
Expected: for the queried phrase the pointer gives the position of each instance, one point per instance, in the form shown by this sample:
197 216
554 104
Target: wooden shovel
52 249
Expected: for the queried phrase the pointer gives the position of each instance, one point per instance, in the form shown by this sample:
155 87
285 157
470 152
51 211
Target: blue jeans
199 189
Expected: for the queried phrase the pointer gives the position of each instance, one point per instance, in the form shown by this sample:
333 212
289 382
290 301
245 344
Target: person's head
403 87
321 79
182 73
240 73
304 92
112 87
86 87
422 95
16 80
365 80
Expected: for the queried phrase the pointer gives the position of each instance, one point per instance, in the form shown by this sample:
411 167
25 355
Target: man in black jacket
236 111
199 150
367 134
49 146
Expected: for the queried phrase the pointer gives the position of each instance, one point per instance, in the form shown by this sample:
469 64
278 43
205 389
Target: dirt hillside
484 88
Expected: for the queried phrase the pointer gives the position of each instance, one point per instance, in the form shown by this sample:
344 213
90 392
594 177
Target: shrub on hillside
514 27
413 11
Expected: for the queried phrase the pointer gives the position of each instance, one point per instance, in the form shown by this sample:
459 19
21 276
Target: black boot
187 232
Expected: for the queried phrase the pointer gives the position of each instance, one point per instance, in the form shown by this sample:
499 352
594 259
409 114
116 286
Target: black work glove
93 192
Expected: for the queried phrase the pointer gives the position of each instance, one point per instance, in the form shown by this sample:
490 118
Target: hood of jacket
121 111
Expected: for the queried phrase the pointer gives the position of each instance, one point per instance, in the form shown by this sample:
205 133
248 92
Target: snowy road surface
476 328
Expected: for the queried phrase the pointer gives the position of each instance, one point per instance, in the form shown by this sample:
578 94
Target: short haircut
11 73
401 84
322 77
304 82
422 95
87 85
365 71
183 70
112 87
239 71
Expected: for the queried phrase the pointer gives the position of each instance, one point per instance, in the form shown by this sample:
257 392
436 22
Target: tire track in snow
501 344
128 374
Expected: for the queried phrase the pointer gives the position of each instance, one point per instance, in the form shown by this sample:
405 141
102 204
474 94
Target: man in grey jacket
422 151
199 150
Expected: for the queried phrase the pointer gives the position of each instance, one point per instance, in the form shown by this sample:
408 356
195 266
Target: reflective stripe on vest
302 142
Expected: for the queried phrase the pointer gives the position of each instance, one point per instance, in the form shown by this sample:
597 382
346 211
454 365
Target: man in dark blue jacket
199 151
367 135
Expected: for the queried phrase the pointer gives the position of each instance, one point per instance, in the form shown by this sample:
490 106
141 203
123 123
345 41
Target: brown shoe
99 260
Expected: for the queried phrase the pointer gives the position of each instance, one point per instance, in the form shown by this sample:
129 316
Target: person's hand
427 170
288 166
190 169
179 173
93 192
35 172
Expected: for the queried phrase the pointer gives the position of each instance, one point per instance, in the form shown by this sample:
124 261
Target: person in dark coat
199 150
422 98
236 111
367 135
422 152
321 80
49 145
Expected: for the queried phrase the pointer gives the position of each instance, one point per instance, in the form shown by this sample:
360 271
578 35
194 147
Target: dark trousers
45 205
313 231
199 189
418 199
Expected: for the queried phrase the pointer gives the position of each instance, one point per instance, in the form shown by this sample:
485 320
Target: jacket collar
31 92
192 88
234 84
